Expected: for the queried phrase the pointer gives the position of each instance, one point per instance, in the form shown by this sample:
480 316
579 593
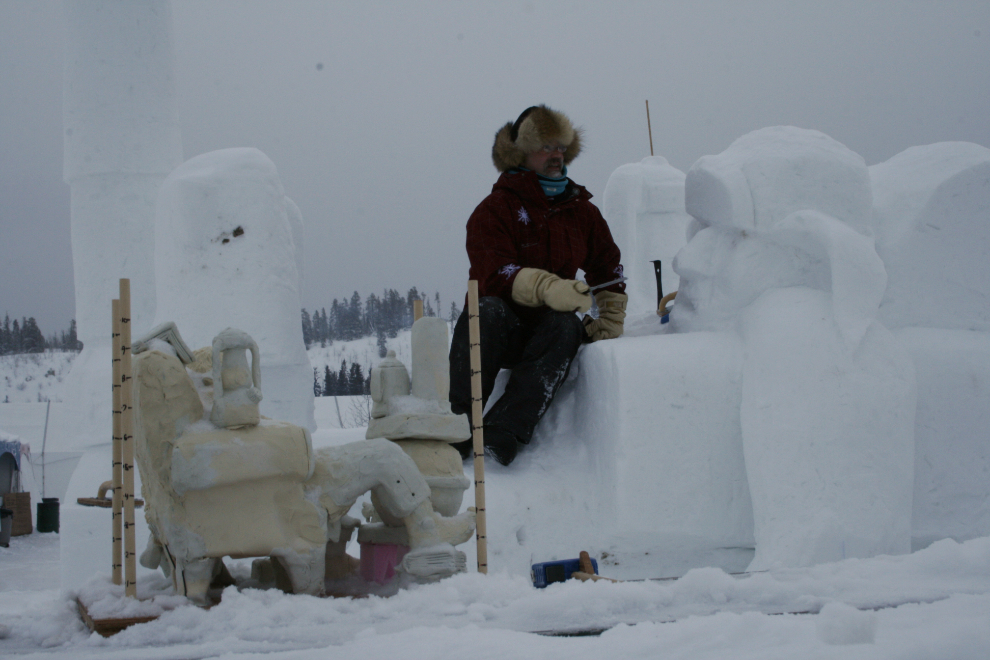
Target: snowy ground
932 604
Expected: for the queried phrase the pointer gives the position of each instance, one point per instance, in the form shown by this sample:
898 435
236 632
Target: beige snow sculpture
416 416
236 390
259 490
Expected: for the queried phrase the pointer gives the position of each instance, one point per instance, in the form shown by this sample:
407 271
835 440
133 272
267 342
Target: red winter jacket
518 226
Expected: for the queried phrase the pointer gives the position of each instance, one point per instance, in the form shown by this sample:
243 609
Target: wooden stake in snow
117 561
127 438
648 127
474 330
417 310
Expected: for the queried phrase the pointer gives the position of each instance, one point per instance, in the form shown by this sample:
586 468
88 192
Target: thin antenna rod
648 127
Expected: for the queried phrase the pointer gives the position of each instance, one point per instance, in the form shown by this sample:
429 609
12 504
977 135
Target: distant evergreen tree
323 329
354 317
343 379
307 328
329 381
6 341
356 379
382 347
33 341
334 322
317 386
15 338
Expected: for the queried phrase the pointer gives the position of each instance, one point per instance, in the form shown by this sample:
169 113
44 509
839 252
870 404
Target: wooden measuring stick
117 560
474 331
127 438
417 310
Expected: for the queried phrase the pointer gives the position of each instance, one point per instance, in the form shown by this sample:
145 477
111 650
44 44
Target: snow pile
225 257
935 601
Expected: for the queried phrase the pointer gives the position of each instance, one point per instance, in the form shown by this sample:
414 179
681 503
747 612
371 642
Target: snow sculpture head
781 207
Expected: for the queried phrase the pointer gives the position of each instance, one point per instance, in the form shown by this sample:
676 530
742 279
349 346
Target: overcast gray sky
380 115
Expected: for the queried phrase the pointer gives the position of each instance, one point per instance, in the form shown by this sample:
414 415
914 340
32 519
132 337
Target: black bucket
6 524
48 515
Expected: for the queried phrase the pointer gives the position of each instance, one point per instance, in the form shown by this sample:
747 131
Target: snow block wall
644 207
122 138
931 215
225 256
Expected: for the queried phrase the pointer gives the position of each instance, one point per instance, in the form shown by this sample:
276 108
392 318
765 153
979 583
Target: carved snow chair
239 485
233 487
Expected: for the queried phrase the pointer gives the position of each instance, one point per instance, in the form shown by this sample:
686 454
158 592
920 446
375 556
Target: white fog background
380 115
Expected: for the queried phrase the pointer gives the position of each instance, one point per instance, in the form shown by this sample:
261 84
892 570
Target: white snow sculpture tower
644 206
121 140
225 256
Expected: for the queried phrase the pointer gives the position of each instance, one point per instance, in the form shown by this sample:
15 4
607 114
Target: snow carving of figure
780 252
260 489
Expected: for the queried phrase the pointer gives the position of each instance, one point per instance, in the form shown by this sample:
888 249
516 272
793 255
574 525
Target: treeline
382 316
350 380
26 337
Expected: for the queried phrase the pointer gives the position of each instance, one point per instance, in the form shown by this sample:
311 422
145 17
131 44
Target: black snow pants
539 355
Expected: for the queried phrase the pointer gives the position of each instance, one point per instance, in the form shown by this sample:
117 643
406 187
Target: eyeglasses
549 149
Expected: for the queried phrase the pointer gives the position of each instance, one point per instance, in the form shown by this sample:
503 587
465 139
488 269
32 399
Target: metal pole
477 411
648 127
44 442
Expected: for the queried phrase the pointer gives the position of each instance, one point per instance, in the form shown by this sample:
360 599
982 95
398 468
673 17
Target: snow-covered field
34 377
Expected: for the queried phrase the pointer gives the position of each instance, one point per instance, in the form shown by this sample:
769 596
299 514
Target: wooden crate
20 504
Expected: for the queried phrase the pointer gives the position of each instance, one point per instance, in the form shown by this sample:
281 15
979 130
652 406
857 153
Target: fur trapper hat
536 126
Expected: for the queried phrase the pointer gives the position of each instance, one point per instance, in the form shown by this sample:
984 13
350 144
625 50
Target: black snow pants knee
539 355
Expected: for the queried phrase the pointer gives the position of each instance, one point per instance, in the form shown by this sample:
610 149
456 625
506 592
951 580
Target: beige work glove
534 287
611 316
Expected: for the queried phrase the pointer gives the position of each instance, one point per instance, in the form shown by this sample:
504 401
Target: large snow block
828 434
644 207
952 455
658 418
931 215
225 256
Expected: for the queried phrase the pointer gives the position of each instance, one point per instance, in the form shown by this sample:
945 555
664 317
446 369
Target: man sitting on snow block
526 242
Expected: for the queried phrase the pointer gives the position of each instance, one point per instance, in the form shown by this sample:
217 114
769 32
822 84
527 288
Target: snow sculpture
644 206
225 254
260 489
416 416
121 141
781 255
236 390
931 206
